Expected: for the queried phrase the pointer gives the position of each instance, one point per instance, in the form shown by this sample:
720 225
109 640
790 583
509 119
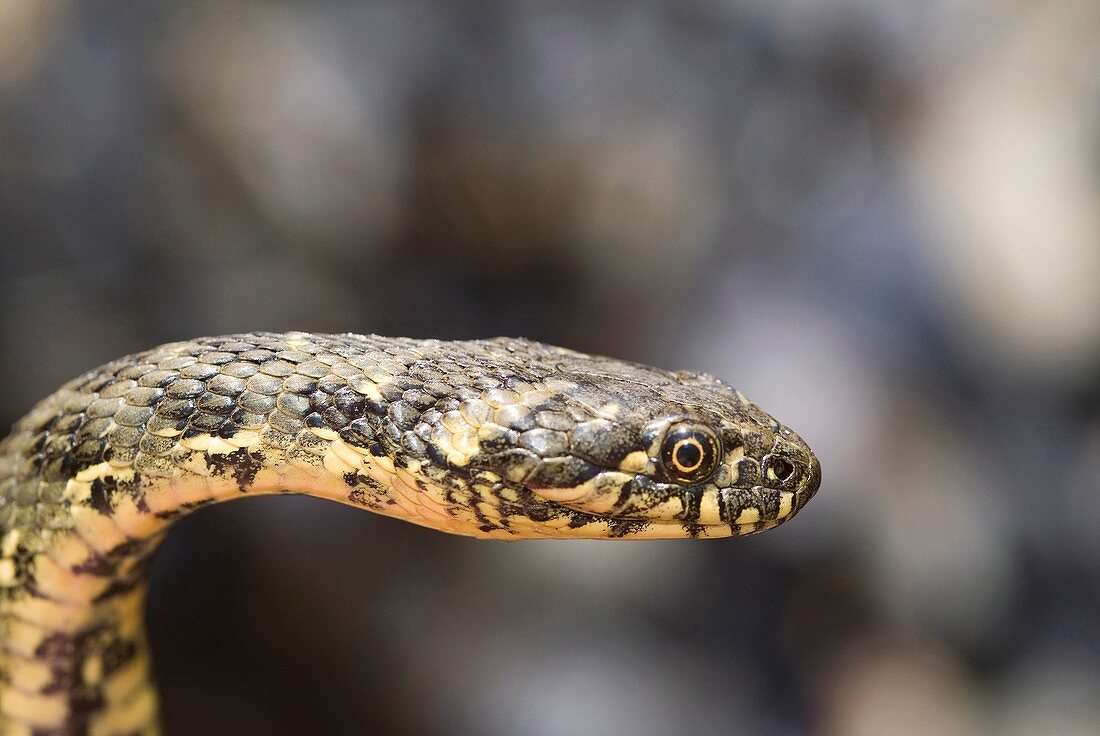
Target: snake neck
73 575
74 569
73 653
77 668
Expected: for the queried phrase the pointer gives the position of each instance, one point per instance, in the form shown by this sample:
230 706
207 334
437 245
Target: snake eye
778 469
690 453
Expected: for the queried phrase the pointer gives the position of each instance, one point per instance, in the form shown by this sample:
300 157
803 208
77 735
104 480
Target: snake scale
503 438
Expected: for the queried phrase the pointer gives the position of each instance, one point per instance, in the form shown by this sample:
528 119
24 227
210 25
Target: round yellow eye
690 453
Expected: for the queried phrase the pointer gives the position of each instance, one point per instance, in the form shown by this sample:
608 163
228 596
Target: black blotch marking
227 431
40 443
694 530
65 655
191 432
127 548
142 504
103 490
724 505
105 564
604 443
359 496
359 485
527 505
116 654
183 508
748 472
562 473
133 578
64 677
693 504
354 479
577 520
436 455
24 566
769 504
618 528
498 442
485 524
625 494
95 564
240 464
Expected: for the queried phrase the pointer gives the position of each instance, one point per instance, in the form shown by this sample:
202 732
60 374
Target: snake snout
810 482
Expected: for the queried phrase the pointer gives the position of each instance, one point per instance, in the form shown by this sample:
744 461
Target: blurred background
880 219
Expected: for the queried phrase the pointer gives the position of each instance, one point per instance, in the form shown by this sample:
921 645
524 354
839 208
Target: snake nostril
779 469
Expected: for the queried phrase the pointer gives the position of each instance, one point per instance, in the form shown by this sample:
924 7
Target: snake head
644 452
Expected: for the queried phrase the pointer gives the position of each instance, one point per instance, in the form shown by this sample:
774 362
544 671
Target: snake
504 438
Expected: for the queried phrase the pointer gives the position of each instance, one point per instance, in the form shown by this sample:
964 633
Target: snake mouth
678 513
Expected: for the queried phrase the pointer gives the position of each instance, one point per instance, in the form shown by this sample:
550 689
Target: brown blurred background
878 218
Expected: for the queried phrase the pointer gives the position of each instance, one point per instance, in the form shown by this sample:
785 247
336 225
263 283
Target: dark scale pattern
503 437
523 410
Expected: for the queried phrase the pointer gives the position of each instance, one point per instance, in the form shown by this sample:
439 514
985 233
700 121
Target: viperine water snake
504 438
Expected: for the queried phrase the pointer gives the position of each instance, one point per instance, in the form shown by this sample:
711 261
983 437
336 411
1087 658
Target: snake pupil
689 455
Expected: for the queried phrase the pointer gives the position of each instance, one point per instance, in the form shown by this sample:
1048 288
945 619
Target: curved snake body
503 438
